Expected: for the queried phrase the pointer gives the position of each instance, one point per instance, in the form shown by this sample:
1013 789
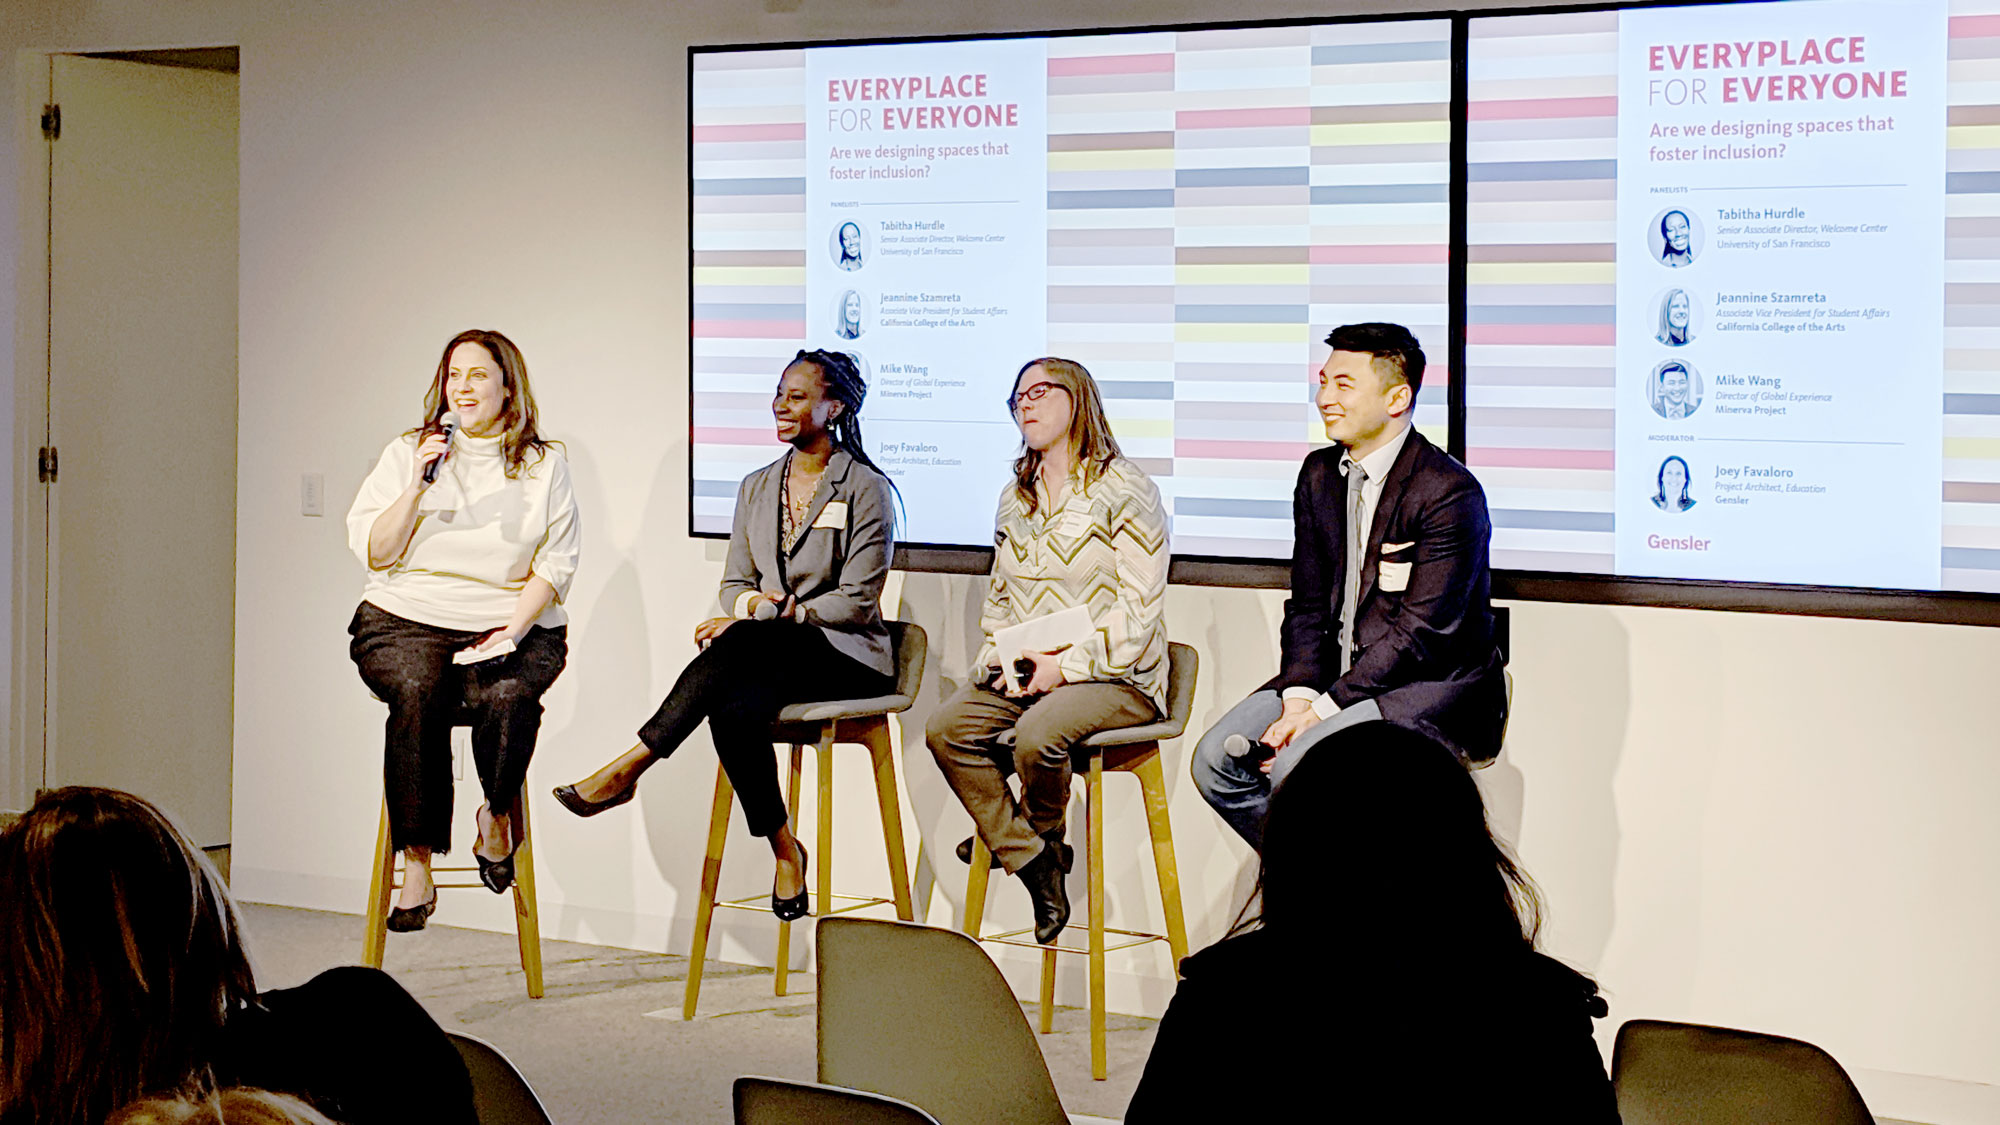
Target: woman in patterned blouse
1079 525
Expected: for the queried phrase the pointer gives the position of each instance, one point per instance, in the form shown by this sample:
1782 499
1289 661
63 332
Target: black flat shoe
993 864
497 874
796 907
409 919
575 803
1044 879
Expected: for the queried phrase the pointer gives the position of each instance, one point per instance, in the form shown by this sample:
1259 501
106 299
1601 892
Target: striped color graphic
1971 540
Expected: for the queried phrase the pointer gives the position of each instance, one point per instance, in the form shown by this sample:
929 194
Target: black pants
407 664
739 683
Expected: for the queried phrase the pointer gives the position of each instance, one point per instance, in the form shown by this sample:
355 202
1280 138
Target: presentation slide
1730 279
1185 213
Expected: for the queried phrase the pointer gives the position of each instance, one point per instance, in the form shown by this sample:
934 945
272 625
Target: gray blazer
836 568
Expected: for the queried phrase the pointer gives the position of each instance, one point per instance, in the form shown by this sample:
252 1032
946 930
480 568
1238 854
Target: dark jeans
407 664
739 683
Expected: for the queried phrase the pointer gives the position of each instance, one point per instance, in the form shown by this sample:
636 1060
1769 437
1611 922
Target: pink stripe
1241 450
748 329
1379 255
1521 108
795 131
1546 334
722 435
1539 458
1974 27
1242 118
1111 64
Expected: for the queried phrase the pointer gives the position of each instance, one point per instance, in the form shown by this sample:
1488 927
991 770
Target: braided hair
841 374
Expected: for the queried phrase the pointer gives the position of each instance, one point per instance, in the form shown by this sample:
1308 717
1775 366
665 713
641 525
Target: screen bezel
1927 606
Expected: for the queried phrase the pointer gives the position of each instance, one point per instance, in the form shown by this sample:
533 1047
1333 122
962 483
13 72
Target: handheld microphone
1238 746
448 426
765 610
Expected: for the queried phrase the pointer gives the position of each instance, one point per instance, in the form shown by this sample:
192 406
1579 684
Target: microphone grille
449 421
765 611
1236 745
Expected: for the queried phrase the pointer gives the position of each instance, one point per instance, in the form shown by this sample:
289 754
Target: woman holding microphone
808 555
468 527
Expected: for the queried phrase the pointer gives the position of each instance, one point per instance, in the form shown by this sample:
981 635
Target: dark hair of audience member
222 1107
1380 833
122 954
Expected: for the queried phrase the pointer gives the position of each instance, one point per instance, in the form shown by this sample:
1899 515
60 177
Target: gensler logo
1676 543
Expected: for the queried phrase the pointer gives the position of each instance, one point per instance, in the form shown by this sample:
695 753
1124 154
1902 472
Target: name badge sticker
834 515
1074 523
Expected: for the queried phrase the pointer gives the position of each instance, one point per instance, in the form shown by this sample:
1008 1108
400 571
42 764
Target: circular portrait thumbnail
1675 237
1674 389
1674 322
1671 486
849 246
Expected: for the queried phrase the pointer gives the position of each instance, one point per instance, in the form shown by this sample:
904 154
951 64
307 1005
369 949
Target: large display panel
1732 274
1184 212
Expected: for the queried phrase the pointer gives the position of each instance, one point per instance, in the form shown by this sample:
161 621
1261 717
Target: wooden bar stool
384 880
823 725
1133 750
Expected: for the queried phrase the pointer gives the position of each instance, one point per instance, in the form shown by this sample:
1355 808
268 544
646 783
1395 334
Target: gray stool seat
834 709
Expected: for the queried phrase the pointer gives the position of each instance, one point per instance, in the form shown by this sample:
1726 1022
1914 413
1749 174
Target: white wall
1776 823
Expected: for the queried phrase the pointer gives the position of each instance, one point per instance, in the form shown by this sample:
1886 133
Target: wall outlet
312 494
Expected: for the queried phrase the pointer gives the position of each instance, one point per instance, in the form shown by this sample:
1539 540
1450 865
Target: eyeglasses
1033 392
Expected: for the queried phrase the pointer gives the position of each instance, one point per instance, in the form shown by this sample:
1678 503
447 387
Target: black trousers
407 664
739 683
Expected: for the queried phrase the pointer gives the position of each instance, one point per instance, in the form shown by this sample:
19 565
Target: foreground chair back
923 1014
773 1101
1687 1074
500 1095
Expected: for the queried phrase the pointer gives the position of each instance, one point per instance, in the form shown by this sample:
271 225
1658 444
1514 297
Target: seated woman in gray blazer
807 558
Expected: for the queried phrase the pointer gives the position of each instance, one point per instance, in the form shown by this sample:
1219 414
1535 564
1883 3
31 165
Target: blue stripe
1241 314
1972 404
1382 193
1240 509
1551 521
749 312
1971 183
1971 558
1540 314
773 186
1242 177
1530 170
1328 55
1158 391
1095 200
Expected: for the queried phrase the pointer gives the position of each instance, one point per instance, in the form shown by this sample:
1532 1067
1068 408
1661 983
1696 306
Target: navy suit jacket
1426 654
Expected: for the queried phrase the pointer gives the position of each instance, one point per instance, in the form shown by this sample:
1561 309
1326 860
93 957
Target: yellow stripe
1242 333
1112 160
1383 133
749 275
1972 136
1243 274
1972 449
1542 273
1128 429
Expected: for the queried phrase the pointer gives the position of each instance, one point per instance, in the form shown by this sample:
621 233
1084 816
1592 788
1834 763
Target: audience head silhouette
123 958
224 1107
1380 825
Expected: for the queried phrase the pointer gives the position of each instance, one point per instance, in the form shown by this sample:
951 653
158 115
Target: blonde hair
520 432
222 1107
1091 443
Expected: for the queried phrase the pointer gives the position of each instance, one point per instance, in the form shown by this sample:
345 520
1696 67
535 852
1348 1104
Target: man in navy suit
1390 615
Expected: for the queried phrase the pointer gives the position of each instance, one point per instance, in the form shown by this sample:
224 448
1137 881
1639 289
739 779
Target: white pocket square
1392 548
1396 576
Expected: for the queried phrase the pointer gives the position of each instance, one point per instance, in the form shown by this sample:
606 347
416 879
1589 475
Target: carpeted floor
592 1047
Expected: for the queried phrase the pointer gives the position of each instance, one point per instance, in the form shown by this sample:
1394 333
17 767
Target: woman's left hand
1047 675
493 640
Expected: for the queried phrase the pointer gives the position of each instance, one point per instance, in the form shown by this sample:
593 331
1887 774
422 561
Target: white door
142 415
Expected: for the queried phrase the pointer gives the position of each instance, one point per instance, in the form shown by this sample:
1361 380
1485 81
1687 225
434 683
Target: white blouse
479 537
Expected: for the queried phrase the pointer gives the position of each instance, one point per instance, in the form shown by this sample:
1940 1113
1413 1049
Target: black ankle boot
1043 876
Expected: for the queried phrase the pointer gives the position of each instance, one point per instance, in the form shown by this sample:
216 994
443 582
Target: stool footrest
855 902
1012 937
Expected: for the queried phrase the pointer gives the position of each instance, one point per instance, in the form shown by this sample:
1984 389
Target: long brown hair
239 1106
520 434
1092 446
123 958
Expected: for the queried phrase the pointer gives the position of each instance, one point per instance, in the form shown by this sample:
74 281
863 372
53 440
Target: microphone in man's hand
1239 746
447 425
765 609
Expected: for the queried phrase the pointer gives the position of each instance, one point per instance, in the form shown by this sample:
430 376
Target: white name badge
1396 576
834 515
1074 523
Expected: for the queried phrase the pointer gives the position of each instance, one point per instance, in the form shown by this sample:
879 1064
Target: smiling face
850 240
1357 405
802 407
1675 228
850 307
475 389
1674 386
1677 310
1043 409
1673 480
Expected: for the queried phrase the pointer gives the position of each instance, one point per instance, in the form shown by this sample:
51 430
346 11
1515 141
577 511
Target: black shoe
1044 879
409 919
796 907
1054 838
575 803
497 874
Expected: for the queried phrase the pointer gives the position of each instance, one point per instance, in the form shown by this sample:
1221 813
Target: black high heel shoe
574 802
497 874
409 919
796 907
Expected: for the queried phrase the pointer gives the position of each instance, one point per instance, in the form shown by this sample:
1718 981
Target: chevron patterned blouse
1104 547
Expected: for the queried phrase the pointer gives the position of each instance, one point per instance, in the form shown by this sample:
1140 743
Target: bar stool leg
884 755
527 921
824 860
1048 998
1093 818
1153 784
381 883
975 887
711 873
782 967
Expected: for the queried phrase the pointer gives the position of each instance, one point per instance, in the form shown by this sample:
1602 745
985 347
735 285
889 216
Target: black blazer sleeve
1428 626
1310 613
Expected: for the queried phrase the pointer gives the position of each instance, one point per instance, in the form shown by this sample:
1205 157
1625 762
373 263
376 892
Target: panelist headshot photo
1674 390
1675 238
847 316
847 248
1676 319
1671 495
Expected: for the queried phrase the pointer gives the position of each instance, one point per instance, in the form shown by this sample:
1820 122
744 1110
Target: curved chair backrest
1182 664
912 648
922 1014
500 1095
1688 1074
774 1101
